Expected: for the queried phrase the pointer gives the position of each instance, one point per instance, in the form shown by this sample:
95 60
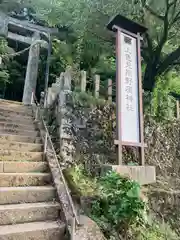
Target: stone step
16 109
10 155
21 132
49 230
16 115
20 146
28 212
5 101
19 138
24 179
17 126
10 113
19 120
23 167
32 194
13 103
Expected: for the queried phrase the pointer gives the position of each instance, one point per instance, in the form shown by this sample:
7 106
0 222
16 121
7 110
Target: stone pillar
97 86
32 71
65 119
83 81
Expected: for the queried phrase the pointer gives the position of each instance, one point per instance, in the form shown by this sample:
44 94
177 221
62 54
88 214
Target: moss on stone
80 183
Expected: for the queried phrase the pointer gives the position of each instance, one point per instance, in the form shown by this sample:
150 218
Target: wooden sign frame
118 140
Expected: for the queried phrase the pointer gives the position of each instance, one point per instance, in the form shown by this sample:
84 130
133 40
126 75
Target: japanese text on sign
129 90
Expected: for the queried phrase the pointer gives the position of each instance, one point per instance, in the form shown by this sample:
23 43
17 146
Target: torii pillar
32 71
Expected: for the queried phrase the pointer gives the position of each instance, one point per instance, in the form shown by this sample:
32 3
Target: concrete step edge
17 151
24 179
23 130
21 143
14 105
27 194
17 135
15 115
10 101
5 107
29 188
8 155
36 174
4 114
29 205
28 227
17 124
15 118
23 166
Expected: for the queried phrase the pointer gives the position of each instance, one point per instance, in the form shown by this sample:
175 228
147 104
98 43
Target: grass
80 183
154 230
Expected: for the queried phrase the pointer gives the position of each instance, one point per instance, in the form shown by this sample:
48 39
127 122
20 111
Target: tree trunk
149 77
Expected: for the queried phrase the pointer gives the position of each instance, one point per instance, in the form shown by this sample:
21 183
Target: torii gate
26 32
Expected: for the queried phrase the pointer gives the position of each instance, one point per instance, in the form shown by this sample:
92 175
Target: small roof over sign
126 24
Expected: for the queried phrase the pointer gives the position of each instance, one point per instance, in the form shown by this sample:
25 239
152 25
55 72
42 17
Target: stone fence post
97 86
110 90
65 115
83 81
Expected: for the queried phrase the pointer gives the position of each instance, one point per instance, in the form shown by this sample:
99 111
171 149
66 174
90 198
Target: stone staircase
29 209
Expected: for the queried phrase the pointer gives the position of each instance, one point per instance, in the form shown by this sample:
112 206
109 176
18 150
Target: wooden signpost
129 116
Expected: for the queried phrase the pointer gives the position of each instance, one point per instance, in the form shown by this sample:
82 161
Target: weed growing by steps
117 206
80 183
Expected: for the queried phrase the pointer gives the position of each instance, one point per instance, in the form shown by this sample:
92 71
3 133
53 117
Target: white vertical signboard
130 119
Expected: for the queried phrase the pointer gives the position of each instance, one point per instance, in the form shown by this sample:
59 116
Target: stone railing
72 123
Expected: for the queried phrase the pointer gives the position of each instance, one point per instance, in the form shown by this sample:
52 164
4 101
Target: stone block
142 174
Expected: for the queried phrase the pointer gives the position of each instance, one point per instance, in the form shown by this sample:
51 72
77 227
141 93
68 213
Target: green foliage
80 183
62 54
161 50
119 204
87 20
4 76
163 104
87 100
4 49
153 230
174 82
106 66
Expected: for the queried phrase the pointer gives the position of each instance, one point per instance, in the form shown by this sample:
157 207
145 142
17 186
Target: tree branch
176 18
169 60
149 41
174 4
154 13
163 38
175 63
170 4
